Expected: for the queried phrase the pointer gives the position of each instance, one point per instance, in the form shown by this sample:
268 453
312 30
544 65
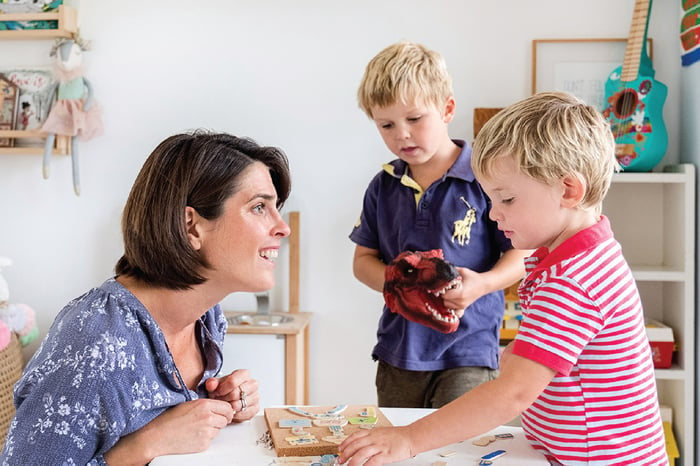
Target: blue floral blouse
103 371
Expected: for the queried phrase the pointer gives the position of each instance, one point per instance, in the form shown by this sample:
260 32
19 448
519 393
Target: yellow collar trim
406 180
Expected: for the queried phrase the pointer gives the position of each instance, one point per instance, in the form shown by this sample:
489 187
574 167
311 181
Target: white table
236 445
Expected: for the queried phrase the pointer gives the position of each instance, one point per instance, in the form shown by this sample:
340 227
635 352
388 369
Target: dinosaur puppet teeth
450 318
450 286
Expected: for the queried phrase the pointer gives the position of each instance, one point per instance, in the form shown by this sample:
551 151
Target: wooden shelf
300 320
62 145
508 333
66 16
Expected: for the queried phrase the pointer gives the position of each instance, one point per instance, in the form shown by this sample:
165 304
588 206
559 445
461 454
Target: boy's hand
375 447
469 290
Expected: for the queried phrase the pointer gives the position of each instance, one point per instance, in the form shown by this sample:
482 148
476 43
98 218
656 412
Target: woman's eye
259 208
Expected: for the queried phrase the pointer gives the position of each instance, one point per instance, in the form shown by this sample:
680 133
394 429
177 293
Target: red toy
414 284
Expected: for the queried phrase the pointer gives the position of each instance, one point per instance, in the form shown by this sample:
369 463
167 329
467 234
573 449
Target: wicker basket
10 371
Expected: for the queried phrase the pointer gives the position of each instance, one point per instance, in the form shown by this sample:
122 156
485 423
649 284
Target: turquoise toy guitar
634 101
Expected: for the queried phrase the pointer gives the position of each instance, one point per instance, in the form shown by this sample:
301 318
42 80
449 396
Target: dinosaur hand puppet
414 284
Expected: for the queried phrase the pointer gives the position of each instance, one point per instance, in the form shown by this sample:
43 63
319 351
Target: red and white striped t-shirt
582 317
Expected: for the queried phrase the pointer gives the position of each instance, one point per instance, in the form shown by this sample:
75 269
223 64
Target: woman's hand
186 428
239 390
376 446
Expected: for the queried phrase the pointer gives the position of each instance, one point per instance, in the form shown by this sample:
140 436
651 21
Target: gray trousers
399 388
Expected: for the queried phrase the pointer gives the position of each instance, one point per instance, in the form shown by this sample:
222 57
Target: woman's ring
244 405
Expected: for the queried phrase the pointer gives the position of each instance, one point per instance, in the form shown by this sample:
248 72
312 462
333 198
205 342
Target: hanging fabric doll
75 113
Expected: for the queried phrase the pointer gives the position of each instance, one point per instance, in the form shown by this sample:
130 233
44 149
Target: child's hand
462 296
375 447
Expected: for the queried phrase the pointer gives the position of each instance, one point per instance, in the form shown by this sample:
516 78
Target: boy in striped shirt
580 370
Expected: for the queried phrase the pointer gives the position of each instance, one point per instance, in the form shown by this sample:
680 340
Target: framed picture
36 94
578 66
9 100
27 6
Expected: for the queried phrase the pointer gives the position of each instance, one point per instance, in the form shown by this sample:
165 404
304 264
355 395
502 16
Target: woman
127 371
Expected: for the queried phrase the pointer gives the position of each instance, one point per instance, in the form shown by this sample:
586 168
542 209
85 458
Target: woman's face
241 245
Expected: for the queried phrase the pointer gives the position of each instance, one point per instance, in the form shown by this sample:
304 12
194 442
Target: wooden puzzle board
279 435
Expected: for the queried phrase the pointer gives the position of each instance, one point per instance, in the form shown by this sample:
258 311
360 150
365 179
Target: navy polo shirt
452 215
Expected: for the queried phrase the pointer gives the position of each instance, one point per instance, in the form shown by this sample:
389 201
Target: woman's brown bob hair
200 170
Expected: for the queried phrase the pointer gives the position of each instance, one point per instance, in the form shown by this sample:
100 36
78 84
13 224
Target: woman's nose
281 228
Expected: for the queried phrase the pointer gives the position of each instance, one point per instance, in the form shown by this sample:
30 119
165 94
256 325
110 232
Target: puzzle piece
337 430
484 441
337 439
336 421
362 420
302 440
489 458
286 423
369 412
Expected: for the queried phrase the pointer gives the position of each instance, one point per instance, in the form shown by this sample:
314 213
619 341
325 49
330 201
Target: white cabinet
653 218
263 356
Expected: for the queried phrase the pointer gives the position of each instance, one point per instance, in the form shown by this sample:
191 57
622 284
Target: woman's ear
574 190
193 227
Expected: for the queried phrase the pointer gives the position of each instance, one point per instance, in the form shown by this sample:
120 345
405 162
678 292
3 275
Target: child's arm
509 269
483 408
368 268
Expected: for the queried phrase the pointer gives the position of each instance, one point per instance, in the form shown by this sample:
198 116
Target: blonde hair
404 72
551 135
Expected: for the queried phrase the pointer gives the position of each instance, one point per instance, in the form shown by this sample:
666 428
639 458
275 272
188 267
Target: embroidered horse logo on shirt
463 228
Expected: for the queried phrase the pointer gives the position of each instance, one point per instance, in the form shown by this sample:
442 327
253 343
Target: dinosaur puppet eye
406 268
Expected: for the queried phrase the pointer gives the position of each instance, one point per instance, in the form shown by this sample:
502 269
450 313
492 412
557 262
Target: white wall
285 74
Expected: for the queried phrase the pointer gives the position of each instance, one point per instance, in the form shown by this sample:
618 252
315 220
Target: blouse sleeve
64 416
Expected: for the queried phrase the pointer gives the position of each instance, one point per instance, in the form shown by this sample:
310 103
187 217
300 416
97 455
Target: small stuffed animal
414 285
18 318
29 331
74 113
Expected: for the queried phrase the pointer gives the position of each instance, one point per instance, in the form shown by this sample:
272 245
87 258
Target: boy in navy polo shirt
420 202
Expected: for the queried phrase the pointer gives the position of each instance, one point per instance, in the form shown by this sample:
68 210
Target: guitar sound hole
626 103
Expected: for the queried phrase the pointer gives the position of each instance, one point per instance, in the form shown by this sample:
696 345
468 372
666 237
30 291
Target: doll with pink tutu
74 113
